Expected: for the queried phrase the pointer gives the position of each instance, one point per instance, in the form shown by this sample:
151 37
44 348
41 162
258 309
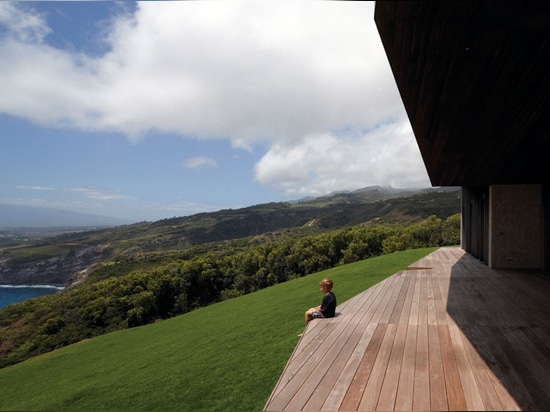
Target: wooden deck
446 334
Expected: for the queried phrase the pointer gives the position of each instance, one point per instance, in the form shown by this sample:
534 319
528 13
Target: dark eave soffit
475 81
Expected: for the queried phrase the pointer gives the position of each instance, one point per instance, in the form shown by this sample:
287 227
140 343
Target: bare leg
308 316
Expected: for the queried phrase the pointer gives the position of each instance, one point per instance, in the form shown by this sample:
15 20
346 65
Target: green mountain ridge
326 213
63 259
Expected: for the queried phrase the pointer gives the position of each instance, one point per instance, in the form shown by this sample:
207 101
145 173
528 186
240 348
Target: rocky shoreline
62 271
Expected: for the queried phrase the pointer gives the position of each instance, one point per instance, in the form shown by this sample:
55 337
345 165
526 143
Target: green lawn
224 357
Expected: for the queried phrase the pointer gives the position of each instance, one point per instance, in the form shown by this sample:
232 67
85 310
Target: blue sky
150 110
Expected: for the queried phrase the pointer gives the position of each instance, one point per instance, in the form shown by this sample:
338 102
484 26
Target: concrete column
515 226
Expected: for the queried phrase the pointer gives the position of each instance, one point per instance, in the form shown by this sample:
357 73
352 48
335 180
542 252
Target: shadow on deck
448 333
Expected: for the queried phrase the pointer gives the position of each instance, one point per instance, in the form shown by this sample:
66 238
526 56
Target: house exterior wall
515 227
474 221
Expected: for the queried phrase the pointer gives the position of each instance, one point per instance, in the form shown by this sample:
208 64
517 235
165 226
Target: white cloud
199 162
22 26
40 188
286 75
83 200
185 207
98 194
319 164
247 71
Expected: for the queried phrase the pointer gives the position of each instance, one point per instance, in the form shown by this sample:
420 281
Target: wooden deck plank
462 304
316 336
344 380
405 387
453 385
304 364
393 301
320 393
439 303
388 391
370 391
423 299
414 314
408 304
482 375
535 370
313 393
386 302
357 387
438 392
343 384
421 394
311 373
492 290
472 396
528 294
401 298
446 334
371 394
388 395
431 312
485 341
542 338
383 311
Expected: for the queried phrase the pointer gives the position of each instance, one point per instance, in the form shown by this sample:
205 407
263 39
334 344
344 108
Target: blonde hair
327 283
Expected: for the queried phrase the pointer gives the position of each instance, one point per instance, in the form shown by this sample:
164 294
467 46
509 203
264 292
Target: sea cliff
62 270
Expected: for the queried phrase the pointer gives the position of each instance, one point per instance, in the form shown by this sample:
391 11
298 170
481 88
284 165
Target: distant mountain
75 252
341 209
338 209
29 216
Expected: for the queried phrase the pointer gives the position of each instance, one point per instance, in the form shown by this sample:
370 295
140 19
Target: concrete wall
515 226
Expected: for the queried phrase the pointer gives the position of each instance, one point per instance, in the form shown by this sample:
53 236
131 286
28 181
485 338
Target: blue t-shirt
328 306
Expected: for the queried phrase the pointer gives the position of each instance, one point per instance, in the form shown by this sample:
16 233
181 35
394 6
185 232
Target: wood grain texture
449 334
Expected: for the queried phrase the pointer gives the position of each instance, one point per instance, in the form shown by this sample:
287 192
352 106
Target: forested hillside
224 357
132 275
64 259
136 289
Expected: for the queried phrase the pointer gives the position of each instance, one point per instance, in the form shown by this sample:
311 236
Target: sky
150 110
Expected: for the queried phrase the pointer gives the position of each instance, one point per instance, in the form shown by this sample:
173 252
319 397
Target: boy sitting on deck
328 305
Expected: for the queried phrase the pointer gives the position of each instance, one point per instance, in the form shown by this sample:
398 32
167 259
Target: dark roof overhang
475 81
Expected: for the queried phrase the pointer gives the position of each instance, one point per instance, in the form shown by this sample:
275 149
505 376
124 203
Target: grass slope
228 356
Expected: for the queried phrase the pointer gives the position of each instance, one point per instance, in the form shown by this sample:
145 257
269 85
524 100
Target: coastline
57 287
11 294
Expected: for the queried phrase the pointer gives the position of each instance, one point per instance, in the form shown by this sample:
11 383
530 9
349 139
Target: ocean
12 294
